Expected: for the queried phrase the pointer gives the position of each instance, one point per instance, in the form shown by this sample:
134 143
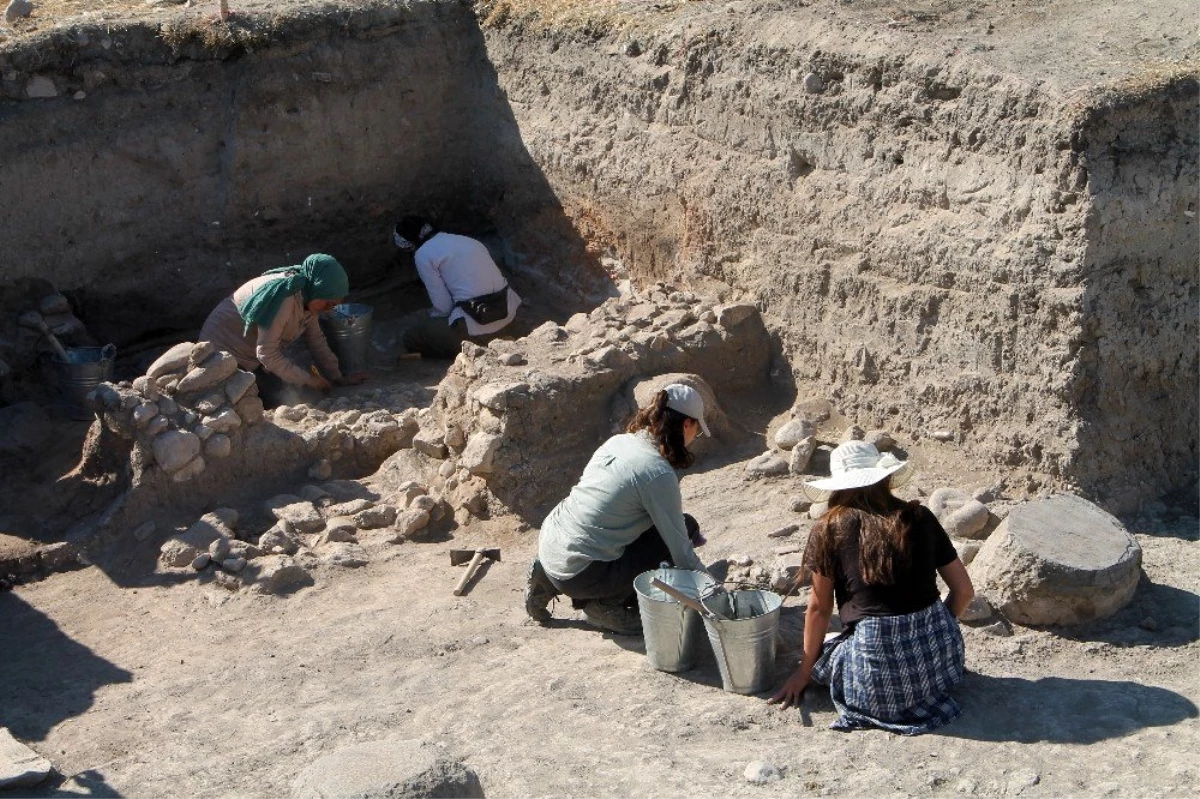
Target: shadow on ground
1062 710
45 676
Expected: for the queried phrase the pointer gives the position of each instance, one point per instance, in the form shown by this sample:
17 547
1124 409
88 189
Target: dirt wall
934 240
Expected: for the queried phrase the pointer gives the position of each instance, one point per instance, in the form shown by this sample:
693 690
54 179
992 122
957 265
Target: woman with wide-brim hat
624 516
900 652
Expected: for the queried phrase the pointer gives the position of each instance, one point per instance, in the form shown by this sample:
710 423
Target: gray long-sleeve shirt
626 488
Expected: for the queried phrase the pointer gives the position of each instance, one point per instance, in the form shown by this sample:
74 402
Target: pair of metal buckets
743 642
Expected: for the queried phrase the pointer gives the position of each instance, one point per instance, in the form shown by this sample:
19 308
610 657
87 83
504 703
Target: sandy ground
188 690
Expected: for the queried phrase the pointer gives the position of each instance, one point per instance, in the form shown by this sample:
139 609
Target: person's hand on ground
354 379
792 692
319 383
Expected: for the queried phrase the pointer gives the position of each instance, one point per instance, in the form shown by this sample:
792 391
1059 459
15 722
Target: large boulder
405 769
1060 560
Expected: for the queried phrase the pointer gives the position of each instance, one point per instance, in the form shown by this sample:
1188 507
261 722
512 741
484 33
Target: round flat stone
1060 560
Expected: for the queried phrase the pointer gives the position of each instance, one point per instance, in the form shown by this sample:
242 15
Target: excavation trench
937 244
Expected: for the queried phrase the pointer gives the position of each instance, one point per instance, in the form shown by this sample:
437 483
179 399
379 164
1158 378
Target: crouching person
901 651
624 517
470 297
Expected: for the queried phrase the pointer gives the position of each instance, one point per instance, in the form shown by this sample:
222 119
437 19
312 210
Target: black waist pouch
486 308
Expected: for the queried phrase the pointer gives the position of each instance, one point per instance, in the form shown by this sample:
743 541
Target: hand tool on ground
475 556
684 599
34 319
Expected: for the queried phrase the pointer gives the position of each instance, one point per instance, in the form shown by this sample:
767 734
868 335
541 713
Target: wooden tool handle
466 578
684 599
58 348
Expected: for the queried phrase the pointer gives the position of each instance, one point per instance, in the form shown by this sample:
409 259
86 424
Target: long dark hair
665 426
882 522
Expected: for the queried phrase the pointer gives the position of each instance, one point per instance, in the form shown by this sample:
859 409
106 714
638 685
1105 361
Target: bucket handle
685 599
108 352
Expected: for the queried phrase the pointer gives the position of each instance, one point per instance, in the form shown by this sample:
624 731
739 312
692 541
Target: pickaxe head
460 556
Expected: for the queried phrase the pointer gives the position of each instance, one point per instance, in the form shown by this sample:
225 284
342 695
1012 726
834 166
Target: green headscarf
320 277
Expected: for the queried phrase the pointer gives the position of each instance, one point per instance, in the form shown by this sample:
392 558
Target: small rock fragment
783 532
760 772
201 561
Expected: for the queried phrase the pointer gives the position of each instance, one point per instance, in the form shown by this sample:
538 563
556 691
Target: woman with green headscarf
259 320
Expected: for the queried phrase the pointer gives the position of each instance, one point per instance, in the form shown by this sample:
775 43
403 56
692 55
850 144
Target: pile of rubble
336 523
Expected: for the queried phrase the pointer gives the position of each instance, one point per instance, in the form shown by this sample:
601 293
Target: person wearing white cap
901 651
625 516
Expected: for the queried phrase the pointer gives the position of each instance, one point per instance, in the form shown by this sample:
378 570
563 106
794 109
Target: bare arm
816 624
954 574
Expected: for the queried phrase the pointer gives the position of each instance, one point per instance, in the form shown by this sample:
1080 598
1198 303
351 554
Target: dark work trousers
433 338
612 580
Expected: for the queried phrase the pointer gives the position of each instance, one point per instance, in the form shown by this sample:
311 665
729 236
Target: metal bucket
85 369
672 631
745 642
348 328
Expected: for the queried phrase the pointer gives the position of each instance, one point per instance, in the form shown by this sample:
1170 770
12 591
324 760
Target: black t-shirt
915 588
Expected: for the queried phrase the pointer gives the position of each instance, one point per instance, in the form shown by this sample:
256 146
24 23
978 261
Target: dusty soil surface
193 691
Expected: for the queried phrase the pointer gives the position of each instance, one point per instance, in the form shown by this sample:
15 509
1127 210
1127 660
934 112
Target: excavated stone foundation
937 240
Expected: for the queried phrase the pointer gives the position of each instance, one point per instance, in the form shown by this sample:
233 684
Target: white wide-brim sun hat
857 464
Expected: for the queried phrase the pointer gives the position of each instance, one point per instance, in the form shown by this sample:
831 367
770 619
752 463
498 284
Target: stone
880 439
315 494
997 628
783 532
280 500
302 516
430 443
203 432
852 433
349 508
224 421
219 548
476 503
226 580
250 409
277 540
760 772
977 609
942 435
425 503
410 490
480 453
193 469
200 352
395 769
966 549
499 396
280 574
801 455
793 432
218 445
321 470
40 87
172 361
734 314
817 510
512 359
454 437
789 573
159 424
372 518
217 367
143 414
741 560
201 561
244 549
15 11
347 554
238 384
1060 560
174 449
233 565
411 521
813 84
21 767
209 404
769 464
340 528
799 505
447 468
960 515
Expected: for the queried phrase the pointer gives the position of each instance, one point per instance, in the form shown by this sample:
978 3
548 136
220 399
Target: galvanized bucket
744 642
348 328
672 631
85 369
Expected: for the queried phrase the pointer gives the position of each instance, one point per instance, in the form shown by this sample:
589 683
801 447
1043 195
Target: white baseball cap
686 400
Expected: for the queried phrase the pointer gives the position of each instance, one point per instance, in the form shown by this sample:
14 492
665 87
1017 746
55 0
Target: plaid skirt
895 672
